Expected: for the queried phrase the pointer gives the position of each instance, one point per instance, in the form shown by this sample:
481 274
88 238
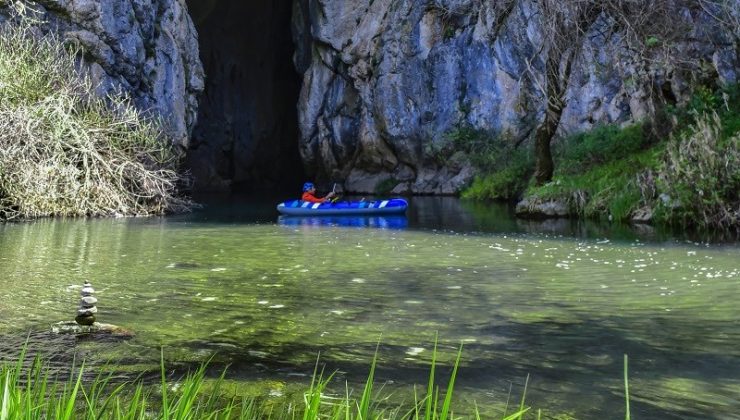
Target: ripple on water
506 298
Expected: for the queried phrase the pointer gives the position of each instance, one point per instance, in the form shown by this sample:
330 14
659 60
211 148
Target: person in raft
309 194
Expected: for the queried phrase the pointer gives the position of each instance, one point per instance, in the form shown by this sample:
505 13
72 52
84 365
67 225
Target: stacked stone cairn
87 310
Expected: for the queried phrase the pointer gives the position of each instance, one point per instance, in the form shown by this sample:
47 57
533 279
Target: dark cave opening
246 137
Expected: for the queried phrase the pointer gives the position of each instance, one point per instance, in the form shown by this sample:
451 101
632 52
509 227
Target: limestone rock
642 215
534 207
385 82
147 49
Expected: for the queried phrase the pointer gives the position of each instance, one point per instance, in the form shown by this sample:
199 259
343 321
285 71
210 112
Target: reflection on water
379 222
561 302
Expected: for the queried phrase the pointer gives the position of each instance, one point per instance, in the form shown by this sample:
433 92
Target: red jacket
307 196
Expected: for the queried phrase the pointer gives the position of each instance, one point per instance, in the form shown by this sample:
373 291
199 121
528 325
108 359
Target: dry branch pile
66 152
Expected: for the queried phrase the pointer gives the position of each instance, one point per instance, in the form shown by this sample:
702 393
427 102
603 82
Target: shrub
607 191
505 168
600 145
505 184
699 180
66 152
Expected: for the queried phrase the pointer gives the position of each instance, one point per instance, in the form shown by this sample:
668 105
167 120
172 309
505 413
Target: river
559 301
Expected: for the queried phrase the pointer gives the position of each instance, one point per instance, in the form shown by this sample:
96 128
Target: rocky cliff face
147 49
386 81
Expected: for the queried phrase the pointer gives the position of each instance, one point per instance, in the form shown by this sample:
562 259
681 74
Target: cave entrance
246 137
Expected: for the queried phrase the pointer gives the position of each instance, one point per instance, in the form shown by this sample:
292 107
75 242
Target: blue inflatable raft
342 208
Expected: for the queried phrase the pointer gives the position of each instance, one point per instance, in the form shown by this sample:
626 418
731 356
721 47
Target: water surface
559 301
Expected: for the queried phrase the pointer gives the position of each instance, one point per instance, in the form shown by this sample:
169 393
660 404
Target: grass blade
450 387
626 391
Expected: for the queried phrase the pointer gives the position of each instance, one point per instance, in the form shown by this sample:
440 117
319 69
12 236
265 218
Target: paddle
334 191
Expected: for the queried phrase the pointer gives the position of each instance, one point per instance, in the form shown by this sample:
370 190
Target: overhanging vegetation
66 152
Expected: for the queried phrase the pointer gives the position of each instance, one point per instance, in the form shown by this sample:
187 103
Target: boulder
535 207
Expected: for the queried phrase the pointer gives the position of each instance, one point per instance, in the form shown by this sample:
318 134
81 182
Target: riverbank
680 169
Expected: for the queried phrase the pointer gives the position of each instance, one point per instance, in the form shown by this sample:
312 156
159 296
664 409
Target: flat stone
87 311
87 291
88 301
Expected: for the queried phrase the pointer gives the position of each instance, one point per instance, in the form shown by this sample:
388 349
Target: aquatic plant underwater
33 392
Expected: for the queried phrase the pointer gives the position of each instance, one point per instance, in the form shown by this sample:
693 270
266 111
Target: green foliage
729 111
651 41
724 101
505 184
385 186
608 191
481 146
691 180
505 168
597 171
449 32
598 146
698 183
63 151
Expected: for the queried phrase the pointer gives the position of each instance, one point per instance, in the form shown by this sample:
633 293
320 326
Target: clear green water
267 297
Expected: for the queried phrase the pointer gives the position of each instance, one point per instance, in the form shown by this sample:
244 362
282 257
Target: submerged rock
69 327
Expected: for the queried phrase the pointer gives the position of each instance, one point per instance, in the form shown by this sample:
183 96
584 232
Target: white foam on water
276 306
218 269
414 351
263 302
208 299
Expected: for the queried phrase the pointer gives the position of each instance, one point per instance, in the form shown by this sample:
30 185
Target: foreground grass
27 394
66 152
33 394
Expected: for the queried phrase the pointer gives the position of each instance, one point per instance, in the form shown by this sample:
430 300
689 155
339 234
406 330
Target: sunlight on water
267 298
